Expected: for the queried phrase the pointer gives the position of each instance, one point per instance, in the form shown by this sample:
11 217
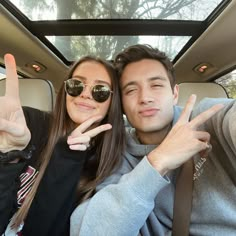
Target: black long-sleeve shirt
56 196
38 123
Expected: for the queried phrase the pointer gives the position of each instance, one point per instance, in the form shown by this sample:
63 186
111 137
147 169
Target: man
139 197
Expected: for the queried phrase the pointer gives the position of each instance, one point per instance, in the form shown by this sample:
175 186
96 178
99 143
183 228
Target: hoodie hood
135 148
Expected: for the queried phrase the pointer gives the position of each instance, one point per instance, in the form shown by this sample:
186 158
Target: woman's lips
84 106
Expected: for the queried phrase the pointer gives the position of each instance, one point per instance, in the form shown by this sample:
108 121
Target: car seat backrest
202 90
36 93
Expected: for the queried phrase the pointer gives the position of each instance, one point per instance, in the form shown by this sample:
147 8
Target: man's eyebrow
158 78
129 84
149 79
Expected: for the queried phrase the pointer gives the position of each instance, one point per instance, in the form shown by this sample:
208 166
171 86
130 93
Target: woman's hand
80 138
14 133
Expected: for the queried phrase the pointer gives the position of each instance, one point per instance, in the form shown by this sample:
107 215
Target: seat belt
183 200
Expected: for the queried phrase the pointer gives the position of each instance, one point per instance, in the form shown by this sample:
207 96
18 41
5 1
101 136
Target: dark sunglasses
75 87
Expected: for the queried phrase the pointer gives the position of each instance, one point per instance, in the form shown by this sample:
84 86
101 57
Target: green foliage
229 83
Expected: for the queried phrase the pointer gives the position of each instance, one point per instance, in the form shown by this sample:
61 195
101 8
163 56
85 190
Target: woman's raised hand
80 138
14 133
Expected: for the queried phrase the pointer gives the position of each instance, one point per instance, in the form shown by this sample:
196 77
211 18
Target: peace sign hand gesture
14 133
80 137
184 140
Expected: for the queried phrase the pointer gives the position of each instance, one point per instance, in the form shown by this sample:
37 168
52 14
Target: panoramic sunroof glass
107 46
110 9
73 47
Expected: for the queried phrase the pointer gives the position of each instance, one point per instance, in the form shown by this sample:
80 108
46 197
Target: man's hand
81 136
183 141
14 133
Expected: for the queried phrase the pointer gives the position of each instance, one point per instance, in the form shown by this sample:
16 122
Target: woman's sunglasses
75 87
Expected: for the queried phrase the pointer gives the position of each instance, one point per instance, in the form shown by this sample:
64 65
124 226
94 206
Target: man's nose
145 96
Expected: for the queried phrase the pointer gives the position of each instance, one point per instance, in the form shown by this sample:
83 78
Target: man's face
147 96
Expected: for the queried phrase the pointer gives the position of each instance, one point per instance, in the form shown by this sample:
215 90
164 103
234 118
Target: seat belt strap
183 200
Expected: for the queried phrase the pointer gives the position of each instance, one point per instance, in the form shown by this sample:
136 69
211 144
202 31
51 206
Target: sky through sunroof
107 46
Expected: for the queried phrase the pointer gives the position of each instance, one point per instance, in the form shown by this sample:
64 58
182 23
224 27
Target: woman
85 142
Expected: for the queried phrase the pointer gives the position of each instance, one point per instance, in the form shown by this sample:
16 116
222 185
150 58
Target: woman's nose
86 93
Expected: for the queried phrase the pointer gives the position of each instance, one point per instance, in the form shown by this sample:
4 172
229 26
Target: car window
2 73
228 81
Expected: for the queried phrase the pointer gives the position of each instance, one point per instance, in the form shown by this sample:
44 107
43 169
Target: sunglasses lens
74 87
100 93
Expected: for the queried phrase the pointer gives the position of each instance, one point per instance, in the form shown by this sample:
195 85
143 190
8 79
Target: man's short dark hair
144 51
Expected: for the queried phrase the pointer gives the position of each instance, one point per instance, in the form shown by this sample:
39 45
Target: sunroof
110 9
106 46
104 27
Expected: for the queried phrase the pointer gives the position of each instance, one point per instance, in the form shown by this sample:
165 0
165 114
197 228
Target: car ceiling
216 46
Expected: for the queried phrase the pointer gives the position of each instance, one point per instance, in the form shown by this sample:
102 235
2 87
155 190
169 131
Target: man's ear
175 94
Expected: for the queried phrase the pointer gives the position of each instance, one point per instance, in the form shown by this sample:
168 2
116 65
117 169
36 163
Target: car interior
36 93
46 37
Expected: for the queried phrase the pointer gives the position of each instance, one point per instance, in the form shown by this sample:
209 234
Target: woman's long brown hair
109 146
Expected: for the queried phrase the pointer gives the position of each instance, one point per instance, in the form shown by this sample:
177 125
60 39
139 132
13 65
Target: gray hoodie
137 200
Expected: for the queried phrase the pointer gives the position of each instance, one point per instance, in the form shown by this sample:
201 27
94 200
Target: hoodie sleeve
222 128
121 208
